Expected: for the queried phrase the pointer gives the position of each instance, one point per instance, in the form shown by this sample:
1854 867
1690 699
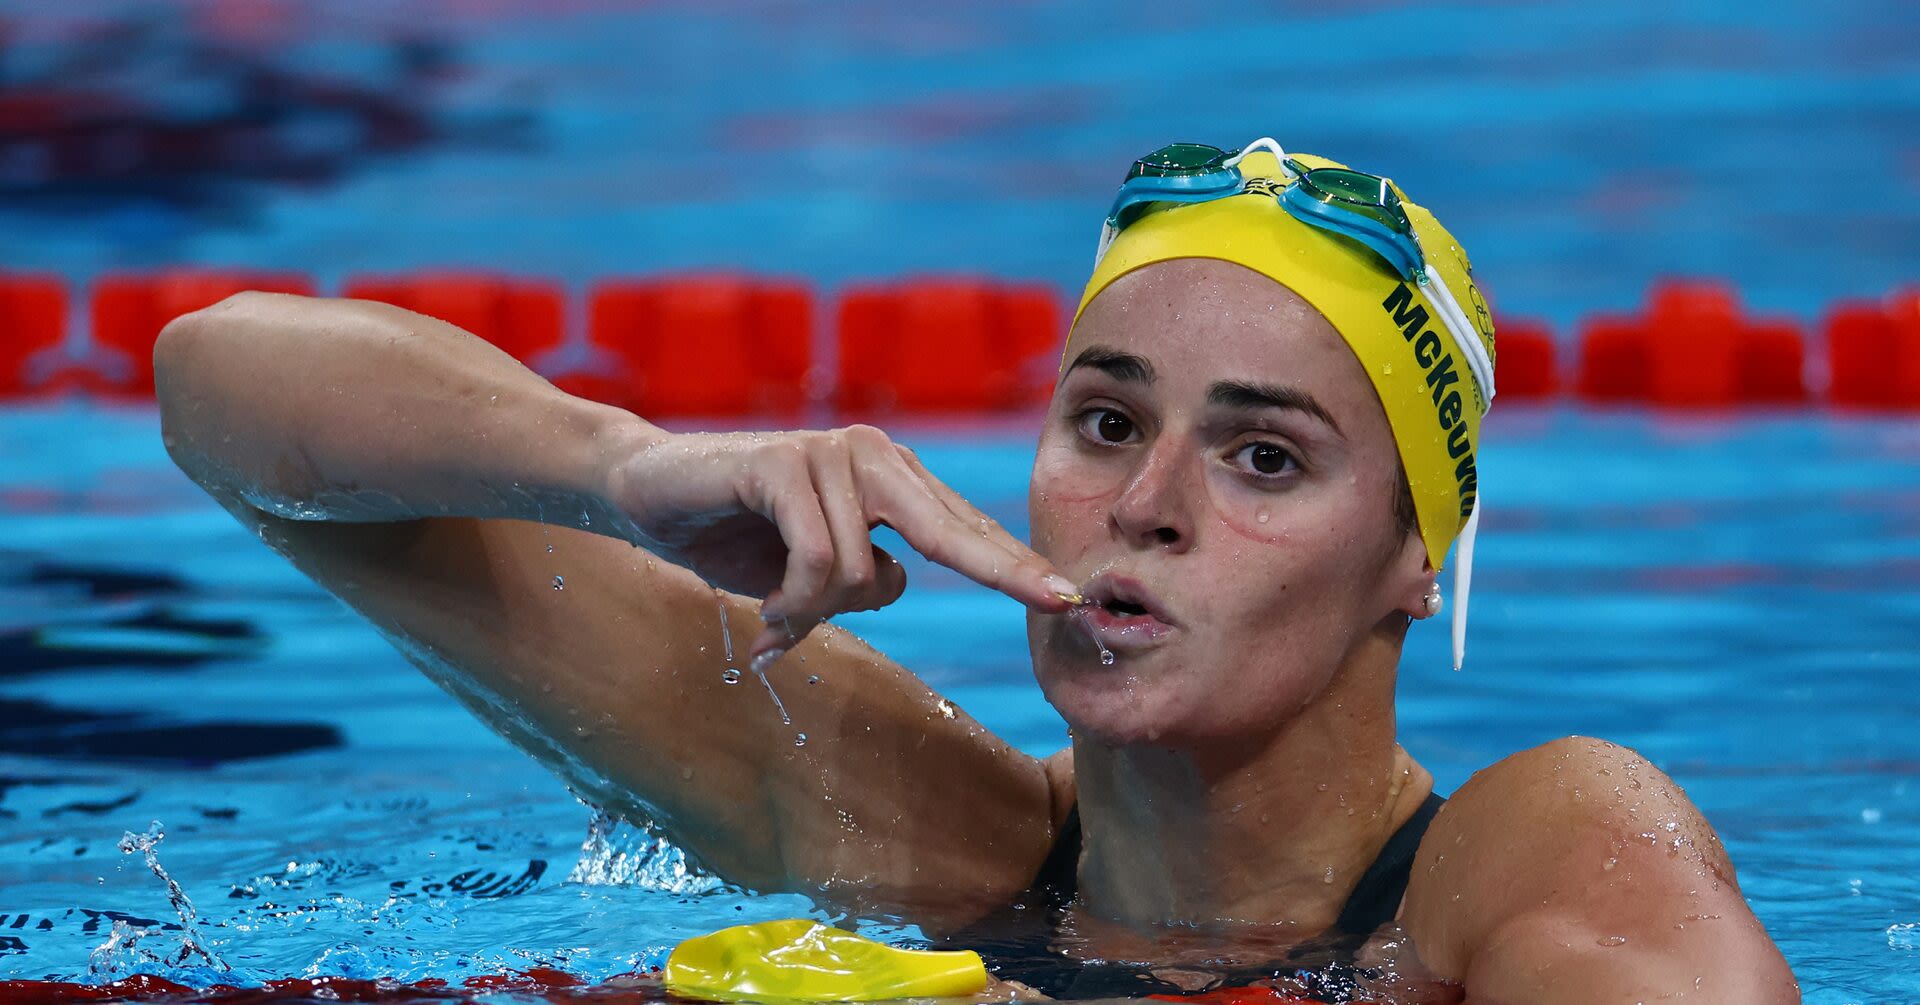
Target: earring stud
1434 600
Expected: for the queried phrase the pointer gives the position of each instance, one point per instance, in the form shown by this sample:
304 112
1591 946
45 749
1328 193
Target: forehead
1201 320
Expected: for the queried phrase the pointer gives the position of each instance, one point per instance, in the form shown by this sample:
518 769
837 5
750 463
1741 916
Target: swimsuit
1017 941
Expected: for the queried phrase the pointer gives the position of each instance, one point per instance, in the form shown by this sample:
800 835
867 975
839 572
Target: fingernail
764 660
1064 589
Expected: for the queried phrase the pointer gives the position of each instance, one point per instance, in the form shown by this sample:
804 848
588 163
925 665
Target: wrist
618 437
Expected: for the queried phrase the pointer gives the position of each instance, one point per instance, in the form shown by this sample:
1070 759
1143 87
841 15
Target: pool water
1740 602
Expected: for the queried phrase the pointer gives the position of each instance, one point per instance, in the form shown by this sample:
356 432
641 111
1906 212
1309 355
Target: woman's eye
1264 458
1106 425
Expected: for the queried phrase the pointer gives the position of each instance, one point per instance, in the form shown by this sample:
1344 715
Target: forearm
353 411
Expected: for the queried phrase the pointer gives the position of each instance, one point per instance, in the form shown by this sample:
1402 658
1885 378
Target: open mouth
1121 615
1125 598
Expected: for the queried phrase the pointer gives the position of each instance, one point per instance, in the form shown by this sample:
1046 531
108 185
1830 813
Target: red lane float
1247 995
1613 360
128 311
1693 337
732 345
1773 363
1873 352
700 346
942 345
33 320
1694 348
1524 366
525 318
538 983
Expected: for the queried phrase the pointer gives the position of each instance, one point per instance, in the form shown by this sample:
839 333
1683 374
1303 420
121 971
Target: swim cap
1432 401
798 959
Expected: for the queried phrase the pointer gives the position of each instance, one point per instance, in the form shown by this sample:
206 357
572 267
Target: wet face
1218 473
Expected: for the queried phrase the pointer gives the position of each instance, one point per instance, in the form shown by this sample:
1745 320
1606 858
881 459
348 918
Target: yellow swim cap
1396 327
802 960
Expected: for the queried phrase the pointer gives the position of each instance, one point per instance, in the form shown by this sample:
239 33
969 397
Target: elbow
184 338
191 352
173 367
190 360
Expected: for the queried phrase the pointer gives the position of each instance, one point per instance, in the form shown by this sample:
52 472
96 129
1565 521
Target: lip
1119 632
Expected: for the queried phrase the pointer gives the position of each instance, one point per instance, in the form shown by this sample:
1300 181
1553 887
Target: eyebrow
1114 363
1239 394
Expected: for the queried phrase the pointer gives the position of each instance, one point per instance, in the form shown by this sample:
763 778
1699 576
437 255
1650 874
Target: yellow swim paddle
802 960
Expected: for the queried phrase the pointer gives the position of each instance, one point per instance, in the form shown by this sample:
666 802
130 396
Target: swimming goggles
1355 205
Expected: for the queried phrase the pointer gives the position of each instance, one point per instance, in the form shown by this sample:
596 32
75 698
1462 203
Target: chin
1116 706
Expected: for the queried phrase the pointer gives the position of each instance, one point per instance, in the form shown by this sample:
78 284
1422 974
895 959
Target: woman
1257 456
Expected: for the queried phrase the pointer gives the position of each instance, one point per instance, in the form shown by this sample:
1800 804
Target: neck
1273 832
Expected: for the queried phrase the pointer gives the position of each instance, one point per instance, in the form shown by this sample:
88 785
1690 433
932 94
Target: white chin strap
1463 584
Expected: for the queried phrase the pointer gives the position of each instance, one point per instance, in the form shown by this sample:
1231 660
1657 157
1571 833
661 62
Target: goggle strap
1464 337
1463 584
1107 233
1266 143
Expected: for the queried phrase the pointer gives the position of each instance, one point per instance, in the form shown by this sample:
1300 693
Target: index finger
963 508
908 504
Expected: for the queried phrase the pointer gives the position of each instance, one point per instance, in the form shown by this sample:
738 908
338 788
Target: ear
1413 578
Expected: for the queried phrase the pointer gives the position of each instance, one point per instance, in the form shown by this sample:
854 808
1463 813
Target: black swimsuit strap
1374 901
1018 940
1059 876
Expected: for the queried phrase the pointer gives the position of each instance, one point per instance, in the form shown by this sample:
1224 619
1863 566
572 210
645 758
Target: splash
122 945
615 856
120 953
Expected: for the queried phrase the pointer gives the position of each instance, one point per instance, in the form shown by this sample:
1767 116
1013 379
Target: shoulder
1570 796
1557 854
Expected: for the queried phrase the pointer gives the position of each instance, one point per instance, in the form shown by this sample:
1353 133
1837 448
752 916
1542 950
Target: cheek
1252 514
1313 516
1070 496
1064 474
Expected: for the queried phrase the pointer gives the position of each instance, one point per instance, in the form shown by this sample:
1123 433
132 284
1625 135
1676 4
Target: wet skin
1214 471
1216 467
1214 440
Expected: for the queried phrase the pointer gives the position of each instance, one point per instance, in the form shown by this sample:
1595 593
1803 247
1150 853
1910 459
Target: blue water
1740 602
1579 150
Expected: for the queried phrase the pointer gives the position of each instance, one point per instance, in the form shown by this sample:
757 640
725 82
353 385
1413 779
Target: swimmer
1255 465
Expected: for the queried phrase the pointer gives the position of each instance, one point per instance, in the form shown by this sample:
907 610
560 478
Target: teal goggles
1360 207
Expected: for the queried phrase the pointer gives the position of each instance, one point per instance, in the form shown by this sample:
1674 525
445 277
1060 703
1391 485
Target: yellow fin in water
803 960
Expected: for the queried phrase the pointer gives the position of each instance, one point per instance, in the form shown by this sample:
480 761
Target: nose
1154 509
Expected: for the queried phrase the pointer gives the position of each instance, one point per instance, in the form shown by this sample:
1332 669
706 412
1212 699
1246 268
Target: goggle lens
1355 191
1176 160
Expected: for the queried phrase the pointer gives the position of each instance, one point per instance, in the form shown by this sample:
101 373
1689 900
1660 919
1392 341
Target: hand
787 517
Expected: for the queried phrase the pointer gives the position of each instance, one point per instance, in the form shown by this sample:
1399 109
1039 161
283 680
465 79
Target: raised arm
486 522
